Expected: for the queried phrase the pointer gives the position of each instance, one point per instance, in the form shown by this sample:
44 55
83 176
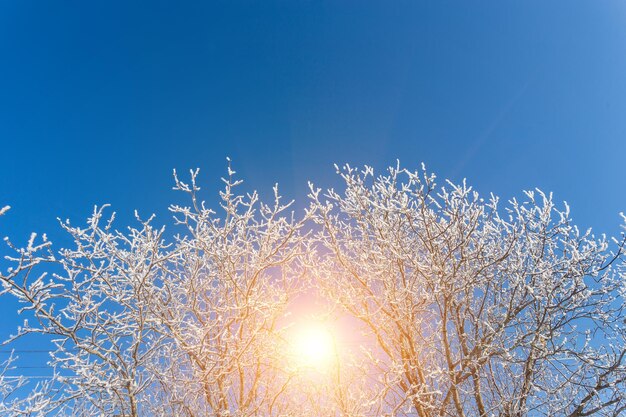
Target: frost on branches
459 307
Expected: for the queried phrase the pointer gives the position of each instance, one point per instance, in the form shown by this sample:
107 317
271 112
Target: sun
313 346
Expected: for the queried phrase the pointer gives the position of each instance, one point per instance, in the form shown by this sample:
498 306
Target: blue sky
99 101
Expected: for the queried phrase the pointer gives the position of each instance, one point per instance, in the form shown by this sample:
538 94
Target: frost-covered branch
453 304
473 308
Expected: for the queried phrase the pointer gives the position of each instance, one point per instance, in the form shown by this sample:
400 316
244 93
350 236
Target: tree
442 304
474 310
144 327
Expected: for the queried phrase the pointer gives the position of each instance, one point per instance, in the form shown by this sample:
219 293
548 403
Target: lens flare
313 346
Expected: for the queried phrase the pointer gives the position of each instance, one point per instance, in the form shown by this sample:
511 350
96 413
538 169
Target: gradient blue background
100 100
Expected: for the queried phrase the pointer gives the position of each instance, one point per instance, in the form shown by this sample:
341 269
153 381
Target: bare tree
473 310
443 304
140 326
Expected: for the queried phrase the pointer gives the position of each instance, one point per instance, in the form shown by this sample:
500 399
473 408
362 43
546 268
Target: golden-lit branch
432 302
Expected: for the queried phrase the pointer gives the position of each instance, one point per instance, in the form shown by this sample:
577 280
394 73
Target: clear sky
100 100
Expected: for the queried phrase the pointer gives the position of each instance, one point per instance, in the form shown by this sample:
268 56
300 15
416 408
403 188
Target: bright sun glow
313 346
